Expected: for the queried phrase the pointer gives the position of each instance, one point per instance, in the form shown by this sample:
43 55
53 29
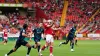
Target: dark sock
64 43
72 45
38 48
6 41
29 49
75 42
33 46
11 51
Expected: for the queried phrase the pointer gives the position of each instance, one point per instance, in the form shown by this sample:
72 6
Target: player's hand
28 36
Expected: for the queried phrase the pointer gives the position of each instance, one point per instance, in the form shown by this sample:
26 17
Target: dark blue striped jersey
38 32
72 32
20 38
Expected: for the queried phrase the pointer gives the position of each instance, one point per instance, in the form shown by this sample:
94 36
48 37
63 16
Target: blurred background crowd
79 12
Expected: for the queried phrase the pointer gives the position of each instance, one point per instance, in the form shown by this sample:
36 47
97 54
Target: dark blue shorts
37 40
70 38
19 43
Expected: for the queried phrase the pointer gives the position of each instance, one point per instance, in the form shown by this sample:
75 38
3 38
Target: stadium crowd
79 12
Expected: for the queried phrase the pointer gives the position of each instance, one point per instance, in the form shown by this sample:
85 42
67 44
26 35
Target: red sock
51 49
43 47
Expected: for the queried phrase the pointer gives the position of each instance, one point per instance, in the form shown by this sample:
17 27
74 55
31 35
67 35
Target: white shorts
49 38
5 38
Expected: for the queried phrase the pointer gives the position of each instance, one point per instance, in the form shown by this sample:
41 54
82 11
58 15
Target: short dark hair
25 26
75 25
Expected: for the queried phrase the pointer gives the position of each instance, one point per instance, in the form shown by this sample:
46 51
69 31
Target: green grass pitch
84 48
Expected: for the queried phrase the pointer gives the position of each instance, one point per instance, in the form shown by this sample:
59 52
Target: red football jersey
48 30
5 34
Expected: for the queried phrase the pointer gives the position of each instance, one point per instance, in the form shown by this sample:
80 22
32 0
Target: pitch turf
84 48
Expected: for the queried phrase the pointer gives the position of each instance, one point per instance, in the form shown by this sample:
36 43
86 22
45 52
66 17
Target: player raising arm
48 25
20 41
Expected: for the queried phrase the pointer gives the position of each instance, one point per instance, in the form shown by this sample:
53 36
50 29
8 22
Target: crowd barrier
89 36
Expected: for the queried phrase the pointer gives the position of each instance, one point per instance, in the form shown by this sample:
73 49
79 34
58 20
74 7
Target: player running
49 36
20 41
70 38
5 36
38 32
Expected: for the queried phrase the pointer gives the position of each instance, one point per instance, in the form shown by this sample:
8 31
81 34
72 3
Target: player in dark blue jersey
70 37
20 41
37 36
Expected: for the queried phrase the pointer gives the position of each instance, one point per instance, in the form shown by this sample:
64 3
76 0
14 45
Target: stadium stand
79 12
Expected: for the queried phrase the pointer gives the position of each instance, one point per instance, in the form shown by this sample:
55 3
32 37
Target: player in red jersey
5 36
49 36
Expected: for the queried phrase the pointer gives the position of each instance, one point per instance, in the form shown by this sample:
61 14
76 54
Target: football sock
29 49
11 51
33 46
38 48
6 41
64 43
51 49
75 42
72 45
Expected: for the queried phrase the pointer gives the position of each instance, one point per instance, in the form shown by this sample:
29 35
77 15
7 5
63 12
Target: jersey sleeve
34 30
23 31
43 31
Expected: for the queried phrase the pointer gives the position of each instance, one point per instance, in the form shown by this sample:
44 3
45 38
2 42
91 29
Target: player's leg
14 49
35 46
72 44
43 47
51 47
24 43
47 44
38 46
75 41
5 41
29 49
66 42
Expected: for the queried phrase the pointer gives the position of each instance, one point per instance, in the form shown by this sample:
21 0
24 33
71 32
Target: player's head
40 24
75 26
5 30
50 22
25 26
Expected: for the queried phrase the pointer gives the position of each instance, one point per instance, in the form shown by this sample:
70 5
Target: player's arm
75 34
25 35
33 31
43 35
30 34
56 28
